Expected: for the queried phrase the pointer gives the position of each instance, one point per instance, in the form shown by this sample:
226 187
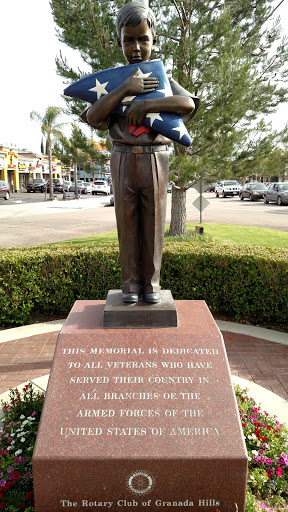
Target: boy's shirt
121 132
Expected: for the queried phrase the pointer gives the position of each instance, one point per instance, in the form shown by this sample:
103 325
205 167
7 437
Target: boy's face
136 42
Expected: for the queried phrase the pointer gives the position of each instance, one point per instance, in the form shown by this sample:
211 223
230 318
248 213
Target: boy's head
136 31
134 13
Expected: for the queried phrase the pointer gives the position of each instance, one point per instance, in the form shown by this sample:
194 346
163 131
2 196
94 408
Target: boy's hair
133 14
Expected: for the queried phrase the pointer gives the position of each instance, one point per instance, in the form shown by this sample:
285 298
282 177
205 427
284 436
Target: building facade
18 167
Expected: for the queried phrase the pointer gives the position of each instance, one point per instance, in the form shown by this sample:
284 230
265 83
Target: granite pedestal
140 419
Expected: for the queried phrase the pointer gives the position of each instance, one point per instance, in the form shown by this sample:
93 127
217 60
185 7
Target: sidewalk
259 356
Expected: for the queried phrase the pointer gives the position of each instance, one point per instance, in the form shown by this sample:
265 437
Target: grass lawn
248 235
221 233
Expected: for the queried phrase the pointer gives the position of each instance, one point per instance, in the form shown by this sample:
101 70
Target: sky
28 81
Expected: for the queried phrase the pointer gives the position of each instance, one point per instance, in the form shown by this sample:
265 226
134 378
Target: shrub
40 280
246 284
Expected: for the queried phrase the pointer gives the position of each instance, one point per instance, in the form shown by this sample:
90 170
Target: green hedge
243 283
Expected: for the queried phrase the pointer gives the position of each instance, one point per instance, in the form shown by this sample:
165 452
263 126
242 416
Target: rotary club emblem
140 482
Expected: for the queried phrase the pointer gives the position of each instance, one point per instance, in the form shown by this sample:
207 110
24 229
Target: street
27 219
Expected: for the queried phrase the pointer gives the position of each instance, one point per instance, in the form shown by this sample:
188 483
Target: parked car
211 187
228 188
67 185
277 192
59 184
36 185
253 191
4 190
112 200
88 186
80 187
100 187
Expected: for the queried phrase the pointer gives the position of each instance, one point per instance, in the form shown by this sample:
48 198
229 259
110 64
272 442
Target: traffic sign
200 186
201 203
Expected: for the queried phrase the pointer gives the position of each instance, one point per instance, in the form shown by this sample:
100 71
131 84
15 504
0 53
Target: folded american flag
91 87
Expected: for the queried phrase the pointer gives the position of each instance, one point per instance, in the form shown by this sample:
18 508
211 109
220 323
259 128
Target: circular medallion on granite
140 482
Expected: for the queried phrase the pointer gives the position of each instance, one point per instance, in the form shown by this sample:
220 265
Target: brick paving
257 360
260 361
25 359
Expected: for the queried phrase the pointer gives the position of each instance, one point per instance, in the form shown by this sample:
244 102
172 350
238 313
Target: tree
74 151
95 157
276 165
225 52
51 129
61 148
79 150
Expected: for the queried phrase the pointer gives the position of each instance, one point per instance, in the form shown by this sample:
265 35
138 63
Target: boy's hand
136 112
135 85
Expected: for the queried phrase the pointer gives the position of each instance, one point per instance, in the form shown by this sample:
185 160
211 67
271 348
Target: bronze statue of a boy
139 164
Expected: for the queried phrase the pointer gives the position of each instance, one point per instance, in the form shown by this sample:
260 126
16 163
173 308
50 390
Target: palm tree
50 128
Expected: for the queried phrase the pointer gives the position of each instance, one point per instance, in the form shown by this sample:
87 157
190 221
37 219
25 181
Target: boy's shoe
130 297
151 297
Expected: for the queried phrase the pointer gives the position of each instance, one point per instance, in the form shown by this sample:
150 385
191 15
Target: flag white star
153 116
167 91
181 129
99 89
128 98
143 75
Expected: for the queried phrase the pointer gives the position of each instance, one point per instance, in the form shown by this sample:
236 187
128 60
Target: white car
228 188
100 187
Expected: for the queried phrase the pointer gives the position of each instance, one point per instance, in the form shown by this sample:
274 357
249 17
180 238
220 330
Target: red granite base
140 419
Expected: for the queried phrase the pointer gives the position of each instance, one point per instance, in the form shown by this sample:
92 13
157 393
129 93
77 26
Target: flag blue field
92 87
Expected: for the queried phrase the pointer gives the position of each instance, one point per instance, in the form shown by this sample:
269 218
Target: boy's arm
98 114
138 109
182 103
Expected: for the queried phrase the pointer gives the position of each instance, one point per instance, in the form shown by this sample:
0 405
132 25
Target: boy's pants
140 179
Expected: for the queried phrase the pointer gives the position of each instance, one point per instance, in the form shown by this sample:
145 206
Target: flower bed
266 441
17 440
267 446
